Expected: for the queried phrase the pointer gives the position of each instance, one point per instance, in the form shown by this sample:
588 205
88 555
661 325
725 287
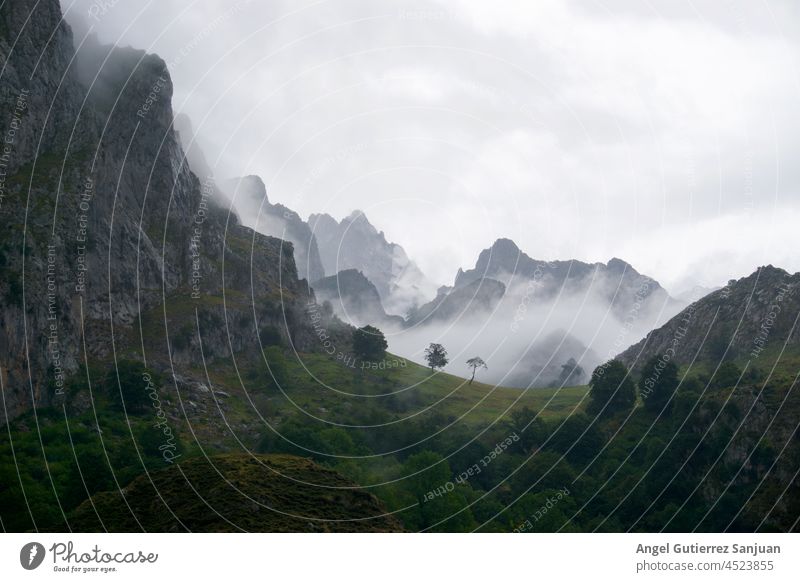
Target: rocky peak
616 265
616 282
249 188
503 258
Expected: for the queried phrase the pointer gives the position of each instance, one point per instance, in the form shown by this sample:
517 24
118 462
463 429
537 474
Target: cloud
580 129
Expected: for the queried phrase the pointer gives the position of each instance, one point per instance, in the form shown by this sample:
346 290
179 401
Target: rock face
354 299
105 219
277 220
617 283
240 493
745 320
354 243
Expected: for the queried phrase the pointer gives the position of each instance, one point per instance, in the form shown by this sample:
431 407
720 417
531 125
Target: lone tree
369 343
611 389
436 356
476 363
658 383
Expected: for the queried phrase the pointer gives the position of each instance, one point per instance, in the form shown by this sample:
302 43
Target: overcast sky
662 132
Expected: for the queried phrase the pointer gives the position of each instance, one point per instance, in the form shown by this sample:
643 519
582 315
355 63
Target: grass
323 387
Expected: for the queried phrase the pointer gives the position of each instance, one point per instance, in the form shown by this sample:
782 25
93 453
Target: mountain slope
473 299
748 318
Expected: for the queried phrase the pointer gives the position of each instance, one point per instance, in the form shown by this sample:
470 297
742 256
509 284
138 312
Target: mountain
250 194
745 320
354 299
353 243
283 493
527 318
108 228
616 282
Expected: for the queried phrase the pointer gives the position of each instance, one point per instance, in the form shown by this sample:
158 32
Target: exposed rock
109 225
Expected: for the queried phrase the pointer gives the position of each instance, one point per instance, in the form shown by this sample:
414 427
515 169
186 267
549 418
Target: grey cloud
579 131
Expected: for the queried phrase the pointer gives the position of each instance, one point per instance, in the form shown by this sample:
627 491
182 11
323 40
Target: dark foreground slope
229 493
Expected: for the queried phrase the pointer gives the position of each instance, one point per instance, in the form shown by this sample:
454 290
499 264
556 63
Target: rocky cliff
106 222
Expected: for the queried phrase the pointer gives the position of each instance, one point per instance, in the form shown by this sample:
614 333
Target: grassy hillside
438 453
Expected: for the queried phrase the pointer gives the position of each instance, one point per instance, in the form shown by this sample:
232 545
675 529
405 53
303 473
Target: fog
661 132
525 339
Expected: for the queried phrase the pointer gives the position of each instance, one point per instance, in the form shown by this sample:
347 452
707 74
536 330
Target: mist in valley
527 337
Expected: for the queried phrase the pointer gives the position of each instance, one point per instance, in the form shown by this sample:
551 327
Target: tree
436 356
476 363
369 343
571 373
658 383
578 438
611 389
